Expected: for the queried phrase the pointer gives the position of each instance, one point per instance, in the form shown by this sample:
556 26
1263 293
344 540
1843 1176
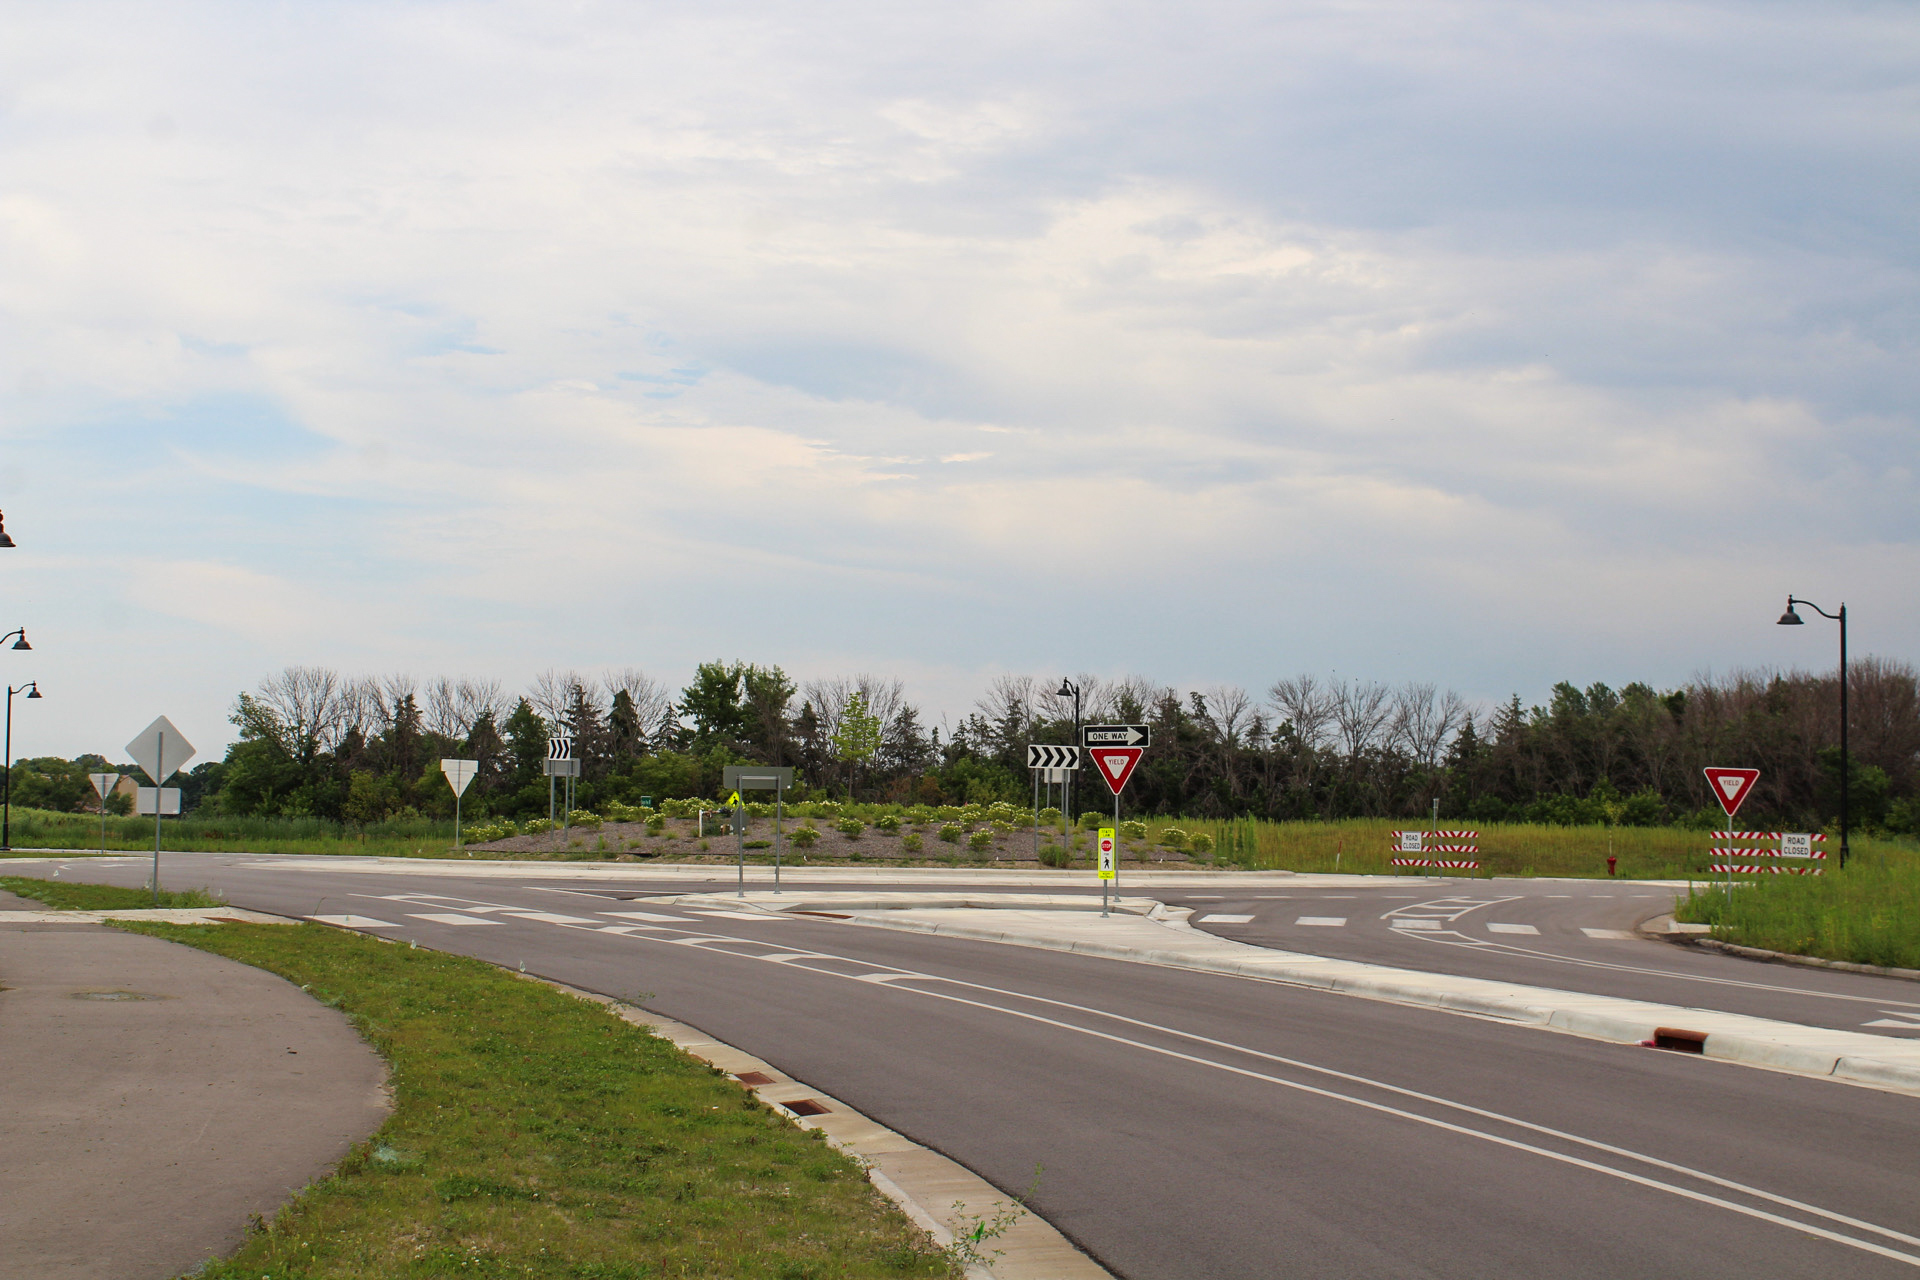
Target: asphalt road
1195 1125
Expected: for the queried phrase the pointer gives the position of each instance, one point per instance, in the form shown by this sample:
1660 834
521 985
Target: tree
857 739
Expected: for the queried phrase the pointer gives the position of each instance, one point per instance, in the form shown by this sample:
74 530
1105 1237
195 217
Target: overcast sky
1483 343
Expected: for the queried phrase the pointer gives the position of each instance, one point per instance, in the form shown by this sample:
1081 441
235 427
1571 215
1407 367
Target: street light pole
1792 619
1068 689
32 689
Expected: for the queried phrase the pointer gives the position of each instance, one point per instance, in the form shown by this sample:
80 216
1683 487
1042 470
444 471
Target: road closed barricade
1733 860
1415 850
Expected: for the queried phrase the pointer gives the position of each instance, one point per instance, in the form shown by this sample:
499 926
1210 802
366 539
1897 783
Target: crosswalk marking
1512 928
1329 921
1409 922
1220 919
355 922
646 915
1623 935
449 917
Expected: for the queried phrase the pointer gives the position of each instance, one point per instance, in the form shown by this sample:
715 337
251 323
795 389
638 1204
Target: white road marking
762 917
1206 897
645 915
355 922
450 917
1559 895
1327 921
1219 919
1622 935
549 917
1513 928
1904 1021
1410 922
1592 1144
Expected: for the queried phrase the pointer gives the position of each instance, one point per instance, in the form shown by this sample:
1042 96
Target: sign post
104 783
1054 762
459 774
1109 864
1116 764
759 777
162 751
561 764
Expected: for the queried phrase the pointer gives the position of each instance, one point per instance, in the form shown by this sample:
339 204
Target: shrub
947 813
1049 816
1091 820
582 818
951 833
534 826
803 837
911 842
486 832
886 822
980 839
850 827
1052 855
1200 842
1133 831
656 823
1173 837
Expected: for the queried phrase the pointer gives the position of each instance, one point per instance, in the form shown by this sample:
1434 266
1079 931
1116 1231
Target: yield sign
459 773
1116 764
1731 787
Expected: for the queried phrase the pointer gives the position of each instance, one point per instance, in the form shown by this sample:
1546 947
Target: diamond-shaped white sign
159 747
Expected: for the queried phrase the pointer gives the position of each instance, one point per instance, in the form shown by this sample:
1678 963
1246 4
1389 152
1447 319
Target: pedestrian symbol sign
733 801
1109 851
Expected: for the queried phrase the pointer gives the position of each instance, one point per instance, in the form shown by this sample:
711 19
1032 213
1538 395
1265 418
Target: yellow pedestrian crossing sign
1108 852
733 801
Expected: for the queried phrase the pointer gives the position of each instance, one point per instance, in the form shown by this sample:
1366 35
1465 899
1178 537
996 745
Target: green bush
951 833
804 837
656 823
582 818
534 826
947 813
850 827
1049 816
911 842
1052 855
980 839
886 822
1091 820
1174 837
1200 842
487 832
1133 830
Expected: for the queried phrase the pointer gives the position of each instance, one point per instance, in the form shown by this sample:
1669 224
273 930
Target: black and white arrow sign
1116 735
1046 757
559 748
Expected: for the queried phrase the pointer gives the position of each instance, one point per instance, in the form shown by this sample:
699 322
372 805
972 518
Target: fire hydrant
1611 860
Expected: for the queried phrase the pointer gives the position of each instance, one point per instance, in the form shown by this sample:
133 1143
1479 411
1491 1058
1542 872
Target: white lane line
1619 935
1206 897
1330 922
1513 928
1219 919
449 917
1559 895
1409 922
1687 1193
1904 1021
646 915
355 922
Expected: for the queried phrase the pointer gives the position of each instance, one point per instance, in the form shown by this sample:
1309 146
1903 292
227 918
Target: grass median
70 895
538 1135
1867 914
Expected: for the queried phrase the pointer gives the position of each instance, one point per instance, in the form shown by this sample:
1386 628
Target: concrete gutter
166 915
937 1194
1880 1062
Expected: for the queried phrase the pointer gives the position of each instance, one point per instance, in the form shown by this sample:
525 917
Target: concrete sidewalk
1147 932
155 1097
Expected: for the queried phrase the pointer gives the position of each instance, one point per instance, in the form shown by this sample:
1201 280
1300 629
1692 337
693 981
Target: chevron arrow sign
1046 757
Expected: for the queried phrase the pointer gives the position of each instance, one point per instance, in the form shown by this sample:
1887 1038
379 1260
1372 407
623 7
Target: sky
1488 344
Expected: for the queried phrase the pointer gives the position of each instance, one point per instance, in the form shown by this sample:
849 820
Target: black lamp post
5 541
1792 619
1068 689
21 643
32 689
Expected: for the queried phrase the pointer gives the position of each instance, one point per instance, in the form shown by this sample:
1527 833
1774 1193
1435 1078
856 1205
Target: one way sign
1116 735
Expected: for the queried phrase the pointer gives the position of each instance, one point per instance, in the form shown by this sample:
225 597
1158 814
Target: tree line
359 750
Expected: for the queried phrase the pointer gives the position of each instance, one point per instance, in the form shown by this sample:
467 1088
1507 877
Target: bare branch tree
307 706
1307 705
552 694
1231 711
652 700
1361 709
1424 719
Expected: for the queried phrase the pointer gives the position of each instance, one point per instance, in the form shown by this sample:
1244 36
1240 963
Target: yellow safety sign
1109 853
733 801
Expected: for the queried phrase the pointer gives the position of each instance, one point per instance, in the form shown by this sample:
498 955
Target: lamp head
33 690
21 643
1790 618
1066 688
5 541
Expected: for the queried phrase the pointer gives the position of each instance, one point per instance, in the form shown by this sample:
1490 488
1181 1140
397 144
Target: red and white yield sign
1731 787
1116 764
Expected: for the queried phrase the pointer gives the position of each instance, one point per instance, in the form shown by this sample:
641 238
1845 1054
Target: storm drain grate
753 1077
805 1107
1679 1041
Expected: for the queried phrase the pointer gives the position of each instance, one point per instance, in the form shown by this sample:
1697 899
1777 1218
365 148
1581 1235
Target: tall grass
415 837
1868 914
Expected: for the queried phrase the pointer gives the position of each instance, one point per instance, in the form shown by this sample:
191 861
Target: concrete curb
1880 1062
936 1194
1788 957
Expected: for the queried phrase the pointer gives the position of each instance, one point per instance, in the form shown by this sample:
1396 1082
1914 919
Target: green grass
538 1135
1868 914
66 895
414 838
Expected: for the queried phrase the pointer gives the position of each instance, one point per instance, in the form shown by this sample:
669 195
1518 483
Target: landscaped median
537 1135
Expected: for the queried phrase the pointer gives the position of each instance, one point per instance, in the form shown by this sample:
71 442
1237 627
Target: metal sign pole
1036 817
740 839
779 815
159 785
1116 844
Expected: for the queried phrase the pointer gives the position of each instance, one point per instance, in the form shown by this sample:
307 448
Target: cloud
897 340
